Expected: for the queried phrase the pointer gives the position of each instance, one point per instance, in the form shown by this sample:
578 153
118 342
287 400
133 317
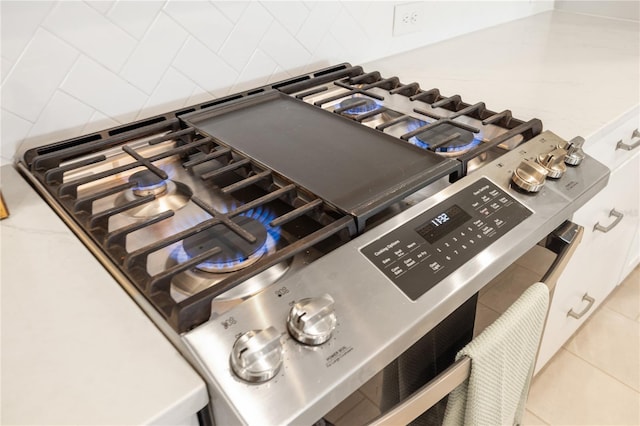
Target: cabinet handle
633 145
577 315
605 229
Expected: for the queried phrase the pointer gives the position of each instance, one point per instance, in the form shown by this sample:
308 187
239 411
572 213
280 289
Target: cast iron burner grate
81 174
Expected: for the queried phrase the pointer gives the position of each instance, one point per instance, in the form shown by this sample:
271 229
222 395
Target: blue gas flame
370 105
150 187
262 215
424 144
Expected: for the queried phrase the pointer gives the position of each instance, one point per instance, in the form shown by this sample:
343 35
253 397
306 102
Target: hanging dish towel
502 361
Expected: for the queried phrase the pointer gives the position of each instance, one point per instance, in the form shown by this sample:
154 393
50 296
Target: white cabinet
609 249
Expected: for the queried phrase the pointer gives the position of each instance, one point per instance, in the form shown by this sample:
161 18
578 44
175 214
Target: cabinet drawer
611 218
613 146
601 259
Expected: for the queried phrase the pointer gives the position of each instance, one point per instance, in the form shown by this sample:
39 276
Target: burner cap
147 183
442 139
236 253
169 195
353 107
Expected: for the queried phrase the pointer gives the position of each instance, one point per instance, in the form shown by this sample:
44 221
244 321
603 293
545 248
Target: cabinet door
598 263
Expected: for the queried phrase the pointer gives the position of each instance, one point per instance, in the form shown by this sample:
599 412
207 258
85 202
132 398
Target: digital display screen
443 223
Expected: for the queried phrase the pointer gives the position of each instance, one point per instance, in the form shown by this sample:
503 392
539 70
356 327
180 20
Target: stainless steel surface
170 196
577 315
633 144
575 154
193 281
365 297
553 162
256 355
613 213
529 176
427 396
312 320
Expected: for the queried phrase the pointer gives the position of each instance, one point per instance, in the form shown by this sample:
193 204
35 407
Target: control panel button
311 321
256 355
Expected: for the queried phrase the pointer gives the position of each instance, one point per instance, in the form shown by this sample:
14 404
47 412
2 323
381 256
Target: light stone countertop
76 348
576 73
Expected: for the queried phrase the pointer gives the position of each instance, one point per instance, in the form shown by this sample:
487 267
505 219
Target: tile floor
594 379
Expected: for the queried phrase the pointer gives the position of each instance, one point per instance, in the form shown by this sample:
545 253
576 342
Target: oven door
413 389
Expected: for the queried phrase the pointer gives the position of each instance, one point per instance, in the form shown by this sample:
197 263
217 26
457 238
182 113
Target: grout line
203 42
592 365
609 308
618 289
213 3
548 423
487 307
365 399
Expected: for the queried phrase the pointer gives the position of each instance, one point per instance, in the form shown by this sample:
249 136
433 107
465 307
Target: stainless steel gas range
296 240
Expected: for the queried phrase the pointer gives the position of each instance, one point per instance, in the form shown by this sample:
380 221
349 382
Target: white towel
502 360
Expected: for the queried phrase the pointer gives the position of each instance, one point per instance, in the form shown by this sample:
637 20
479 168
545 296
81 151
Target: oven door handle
563 241
427 396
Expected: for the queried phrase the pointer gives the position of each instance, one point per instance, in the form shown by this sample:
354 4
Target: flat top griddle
357 169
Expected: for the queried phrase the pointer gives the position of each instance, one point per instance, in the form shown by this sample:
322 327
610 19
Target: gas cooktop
216 201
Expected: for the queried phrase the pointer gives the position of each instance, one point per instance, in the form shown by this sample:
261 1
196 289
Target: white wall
73 67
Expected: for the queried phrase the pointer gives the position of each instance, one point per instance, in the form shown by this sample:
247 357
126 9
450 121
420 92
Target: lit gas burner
358 105
147 183
236 254
445 139
169 195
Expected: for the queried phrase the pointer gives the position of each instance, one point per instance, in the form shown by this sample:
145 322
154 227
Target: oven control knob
575 154
311 321
553 162
257 355
529 176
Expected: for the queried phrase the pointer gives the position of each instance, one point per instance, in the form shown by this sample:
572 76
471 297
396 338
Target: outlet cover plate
408 18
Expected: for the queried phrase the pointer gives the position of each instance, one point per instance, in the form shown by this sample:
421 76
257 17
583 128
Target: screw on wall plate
408 18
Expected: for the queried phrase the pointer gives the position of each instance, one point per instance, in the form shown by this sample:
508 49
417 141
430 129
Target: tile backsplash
74 67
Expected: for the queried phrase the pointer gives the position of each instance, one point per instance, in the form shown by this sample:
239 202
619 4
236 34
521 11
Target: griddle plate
357 169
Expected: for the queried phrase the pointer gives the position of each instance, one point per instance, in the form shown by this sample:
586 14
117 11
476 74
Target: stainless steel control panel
422 252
